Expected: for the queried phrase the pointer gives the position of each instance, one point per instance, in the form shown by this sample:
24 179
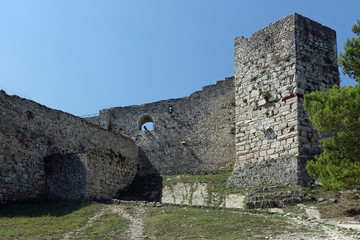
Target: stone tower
274 68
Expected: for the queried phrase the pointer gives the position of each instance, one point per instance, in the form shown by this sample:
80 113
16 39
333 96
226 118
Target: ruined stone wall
273 70
316 68
194 134
49 153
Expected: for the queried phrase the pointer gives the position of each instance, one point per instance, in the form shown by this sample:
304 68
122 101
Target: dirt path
89 223
136 228
331 230
315 229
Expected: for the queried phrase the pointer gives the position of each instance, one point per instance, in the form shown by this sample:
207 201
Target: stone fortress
254 121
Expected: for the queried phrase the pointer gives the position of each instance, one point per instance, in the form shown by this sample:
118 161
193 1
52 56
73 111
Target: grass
349 231
56 219
107 226
52 219
194 223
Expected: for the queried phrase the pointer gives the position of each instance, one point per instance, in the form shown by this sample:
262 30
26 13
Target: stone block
8 180
235 201
299 91
270 151
275 144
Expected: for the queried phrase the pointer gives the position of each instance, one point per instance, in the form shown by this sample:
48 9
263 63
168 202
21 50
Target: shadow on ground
41 208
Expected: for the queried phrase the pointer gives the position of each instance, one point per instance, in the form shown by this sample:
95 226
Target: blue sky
83 56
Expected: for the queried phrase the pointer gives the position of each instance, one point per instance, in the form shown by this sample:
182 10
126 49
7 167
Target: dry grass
347 206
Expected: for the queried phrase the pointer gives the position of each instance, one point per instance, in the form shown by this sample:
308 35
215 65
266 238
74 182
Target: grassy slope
194 223
56 219
52 219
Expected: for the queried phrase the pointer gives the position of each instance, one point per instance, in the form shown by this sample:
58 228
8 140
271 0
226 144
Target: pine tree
336 113
349 60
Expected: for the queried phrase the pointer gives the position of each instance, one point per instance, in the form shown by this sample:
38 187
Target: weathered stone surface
312 212
270 197
274 68
193 134
284 171
49 153
146 186
262 109
197 194
235 201
184 193
276 210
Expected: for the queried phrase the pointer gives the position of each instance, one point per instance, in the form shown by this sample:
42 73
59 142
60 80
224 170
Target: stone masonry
255 120
192 135
48 153
273 71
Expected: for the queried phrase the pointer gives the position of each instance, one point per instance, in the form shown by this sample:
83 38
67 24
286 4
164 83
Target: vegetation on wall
336 113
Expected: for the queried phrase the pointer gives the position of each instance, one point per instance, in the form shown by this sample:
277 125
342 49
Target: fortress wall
192 135
49 153
316 68
273 70
266 113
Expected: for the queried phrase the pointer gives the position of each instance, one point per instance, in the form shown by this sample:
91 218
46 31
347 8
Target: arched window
146 123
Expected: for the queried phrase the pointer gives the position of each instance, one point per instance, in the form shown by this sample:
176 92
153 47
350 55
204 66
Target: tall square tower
274 68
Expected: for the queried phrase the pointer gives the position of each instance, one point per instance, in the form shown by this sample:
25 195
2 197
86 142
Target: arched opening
146 123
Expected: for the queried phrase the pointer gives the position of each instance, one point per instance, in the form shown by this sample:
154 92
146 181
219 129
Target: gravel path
136 228
331 230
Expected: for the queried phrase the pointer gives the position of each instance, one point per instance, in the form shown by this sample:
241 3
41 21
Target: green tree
349 60
335 112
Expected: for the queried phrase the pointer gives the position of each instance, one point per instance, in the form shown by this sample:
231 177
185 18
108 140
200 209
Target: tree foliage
336 113
350 58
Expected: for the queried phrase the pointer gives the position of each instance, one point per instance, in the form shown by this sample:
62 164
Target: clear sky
83 56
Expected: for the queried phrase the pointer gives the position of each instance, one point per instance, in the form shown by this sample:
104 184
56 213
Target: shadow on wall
65 176
147 185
